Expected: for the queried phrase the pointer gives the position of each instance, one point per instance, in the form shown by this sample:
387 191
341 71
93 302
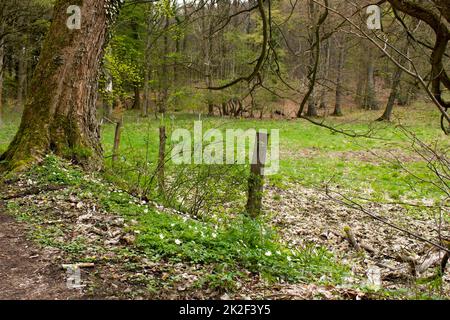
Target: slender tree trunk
314 59
312 107
145 106
326 72
339 88
165 69
392 97
371 102
311 110
361 75
207 52
137 98
21 77
60 115
395 86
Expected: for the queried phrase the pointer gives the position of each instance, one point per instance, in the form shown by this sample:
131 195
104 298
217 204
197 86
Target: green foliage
184 98
54 171
245 243
122 64
237 245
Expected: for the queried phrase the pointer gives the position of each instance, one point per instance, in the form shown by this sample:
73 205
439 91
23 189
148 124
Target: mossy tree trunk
60 113
2 54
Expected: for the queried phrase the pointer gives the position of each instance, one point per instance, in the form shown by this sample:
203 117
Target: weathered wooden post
117 133
256 178
161 157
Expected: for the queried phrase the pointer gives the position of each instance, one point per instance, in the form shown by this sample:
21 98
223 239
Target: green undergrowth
238 248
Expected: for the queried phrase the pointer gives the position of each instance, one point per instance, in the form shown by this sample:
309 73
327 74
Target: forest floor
27 271
45 225
54 216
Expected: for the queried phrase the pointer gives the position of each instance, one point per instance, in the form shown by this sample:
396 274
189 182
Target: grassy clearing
311 155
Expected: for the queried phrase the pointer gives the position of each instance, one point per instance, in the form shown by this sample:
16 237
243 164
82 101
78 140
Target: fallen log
78 265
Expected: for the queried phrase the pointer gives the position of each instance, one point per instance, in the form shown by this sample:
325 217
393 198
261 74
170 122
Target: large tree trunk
60 115
2 54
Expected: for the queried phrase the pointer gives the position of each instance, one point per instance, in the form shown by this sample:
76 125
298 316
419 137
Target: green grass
232 244
328 155
310 155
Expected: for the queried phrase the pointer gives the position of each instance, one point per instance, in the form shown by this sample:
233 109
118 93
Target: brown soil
27 273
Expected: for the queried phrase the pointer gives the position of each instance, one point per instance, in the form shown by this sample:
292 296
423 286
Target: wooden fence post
161 157
256 178
117 133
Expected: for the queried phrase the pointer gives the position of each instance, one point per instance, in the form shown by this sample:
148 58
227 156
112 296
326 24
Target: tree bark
395 86
60 116
314 59
326 73
208 47
147 64
165 70
392 97
2 54
339 88
370 101
137 98
21 77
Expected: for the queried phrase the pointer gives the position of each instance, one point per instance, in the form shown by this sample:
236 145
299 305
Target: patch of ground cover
142 250
305 216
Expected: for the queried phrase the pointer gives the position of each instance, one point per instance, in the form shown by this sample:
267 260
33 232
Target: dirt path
26 272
